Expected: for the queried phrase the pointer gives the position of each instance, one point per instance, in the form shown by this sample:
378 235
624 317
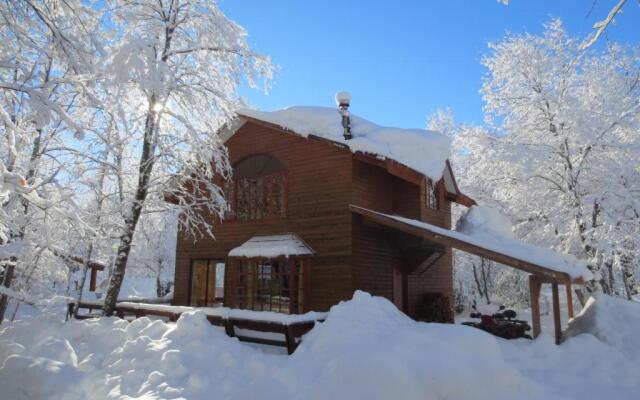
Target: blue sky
400 60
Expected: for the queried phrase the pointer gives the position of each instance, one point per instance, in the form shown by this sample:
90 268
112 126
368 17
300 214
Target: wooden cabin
324 203
292 242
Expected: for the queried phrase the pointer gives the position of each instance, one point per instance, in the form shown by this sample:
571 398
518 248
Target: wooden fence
292 332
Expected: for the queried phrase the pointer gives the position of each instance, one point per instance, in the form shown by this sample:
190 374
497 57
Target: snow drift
613 321
366 349
483 220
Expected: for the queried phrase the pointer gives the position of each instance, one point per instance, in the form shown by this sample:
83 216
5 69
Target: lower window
270 285
207 282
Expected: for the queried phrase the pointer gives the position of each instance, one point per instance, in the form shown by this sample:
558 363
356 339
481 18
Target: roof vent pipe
343 99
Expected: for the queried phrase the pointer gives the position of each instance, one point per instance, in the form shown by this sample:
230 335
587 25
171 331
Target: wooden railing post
569 300
557 326
228 328
290 339
534 293
70 308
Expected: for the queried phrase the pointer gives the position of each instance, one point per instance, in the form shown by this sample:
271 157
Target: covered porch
544 266
270 273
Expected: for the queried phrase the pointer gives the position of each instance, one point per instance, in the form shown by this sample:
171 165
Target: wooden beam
422 267
448 240
569 300
557 326
92 281
65 256
403 172
534 293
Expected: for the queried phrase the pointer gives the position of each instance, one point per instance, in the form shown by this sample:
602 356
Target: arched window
258 189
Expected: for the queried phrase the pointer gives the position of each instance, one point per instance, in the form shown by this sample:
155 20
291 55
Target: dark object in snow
434 307
502 324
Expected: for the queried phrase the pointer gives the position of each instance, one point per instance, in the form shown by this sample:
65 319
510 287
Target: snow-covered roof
271 246
513 249
419 149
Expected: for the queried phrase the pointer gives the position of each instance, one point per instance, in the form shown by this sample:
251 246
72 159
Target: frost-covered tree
46 69
172 77
105 108
559 152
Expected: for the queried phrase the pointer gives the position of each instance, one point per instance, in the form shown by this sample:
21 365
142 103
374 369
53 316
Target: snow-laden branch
601 26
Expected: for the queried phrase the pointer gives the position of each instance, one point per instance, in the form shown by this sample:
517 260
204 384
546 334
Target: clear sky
400 60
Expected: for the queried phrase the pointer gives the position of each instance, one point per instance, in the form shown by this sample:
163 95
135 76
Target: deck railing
292 332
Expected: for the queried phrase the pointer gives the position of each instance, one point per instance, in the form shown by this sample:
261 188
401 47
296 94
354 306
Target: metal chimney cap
343 99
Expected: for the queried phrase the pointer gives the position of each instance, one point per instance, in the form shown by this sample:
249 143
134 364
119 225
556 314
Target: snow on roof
270 246
510 247
422 150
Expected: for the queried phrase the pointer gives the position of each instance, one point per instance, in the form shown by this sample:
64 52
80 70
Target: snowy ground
365 349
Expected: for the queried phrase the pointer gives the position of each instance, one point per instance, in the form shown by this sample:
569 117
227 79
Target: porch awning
553 266
273 246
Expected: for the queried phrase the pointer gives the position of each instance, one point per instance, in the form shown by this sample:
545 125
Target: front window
270 285
207 282
258 189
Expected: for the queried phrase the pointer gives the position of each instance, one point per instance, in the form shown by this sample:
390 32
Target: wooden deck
291 332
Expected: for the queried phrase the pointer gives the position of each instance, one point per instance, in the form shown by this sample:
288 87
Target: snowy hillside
365 349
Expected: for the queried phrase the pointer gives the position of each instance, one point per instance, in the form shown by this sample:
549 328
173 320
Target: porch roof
535 260
272 246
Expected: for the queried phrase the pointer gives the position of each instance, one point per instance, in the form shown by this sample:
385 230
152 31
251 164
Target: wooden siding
319 190
376 249
323 179
439 276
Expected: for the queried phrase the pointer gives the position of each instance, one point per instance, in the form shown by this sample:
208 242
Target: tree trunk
131 220
477 280
628 276
9 270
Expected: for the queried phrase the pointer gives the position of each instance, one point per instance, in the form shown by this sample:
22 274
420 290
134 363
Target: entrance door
204 276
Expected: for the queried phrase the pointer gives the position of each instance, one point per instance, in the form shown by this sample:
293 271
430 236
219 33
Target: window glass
219 280
269 285
431 198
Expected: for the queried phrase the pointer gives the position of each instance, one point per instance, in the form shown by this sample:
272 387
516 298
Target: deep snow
366 349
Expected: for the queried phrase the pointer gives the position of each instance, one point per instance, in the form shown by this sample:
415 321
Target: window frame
232 197
247 278
432 195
